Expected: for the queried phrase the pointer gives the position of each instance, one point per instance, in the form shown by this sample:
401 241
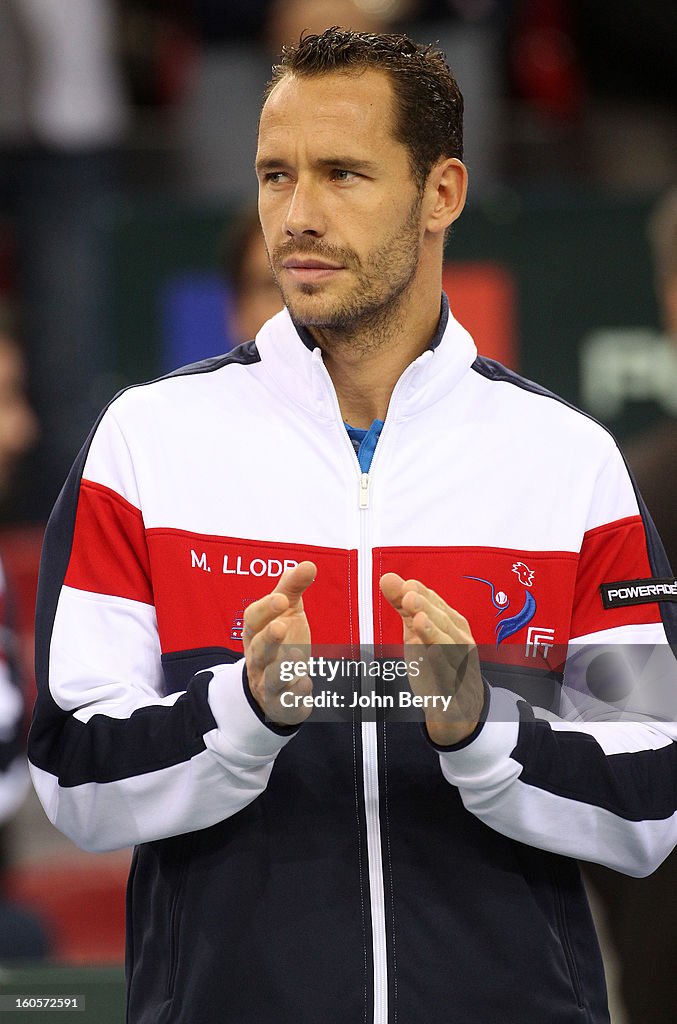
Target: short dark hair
428 101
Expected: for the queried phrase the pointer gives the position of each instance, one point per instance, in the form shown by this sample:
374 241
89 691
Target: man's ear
445 194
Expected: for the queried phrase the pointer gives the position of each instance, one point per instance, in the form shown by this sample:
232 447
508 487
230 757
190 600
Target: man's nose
305 215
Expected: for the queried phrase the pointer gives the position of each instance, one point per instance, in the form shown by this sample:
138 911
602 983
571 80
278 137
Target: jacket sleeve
116 760
599 783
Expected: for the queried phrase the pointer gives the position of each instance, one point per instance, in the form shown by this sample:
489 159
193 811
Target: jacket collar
294 365
308 340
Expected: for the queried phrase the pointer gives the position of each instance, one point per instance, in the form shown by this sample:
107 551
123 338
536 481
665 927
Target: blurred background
129 245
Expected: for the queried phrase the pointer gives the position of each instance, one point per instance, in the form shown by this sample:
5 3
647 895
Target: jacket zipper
370 773
364 491
369 734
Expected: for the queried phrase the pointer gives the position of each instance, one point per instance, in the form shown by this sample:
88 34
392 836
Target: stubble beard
371 313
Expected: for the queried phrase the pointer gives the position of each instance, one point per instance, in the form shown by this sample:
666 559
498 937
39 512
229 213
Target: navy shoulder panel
497 371
243 355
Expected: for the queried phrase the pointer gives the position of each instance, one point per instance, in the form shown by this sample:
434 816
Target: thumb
295 581
392 589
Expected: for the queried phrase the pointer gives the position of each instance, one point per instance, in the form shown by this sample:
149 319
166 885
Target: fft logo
540 640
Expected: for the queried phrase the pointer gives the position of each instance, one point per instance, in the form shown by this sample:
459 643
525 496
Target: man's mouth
309 269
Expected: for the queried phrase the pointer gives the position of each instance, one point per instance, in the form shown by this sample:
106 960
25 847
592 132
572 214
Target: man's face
339 207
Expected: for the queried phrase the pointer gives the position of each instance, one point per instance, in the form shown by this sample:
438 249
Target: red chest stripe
201 584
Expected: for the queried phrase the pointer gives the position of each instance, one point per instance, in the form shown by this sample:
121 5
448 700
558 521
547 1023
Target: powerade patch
626 592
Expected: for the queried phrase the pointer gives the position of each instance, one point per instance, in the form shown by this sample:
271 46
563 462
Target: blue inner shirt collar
364 442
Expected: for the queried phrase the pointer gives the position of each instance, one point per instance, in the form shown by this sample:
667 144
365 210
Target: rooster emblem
524 573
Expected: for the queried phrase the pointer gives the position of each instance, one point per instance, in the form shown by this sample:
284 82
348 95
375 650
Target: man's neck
365 369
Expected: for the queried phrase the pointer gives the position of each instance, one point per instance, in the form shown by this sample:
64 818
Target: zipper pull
364 490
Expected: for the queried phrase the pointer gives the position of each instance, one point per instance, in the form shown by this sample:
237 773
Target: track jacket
349 872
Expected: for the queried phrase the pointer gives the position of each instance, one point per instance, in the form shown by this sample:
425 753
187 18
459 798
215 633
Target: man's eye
340 174
275 177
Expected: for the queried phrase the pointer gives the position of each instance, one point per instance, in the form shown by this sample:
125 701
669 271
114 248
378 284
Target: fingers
451 665
425 613
295 581
436 624
417 597
263 655
264 646
273 620
286 594
402 594
392 588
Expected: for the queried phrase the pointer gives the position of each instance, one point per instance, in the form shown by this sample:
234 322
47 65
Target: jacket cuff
280 730
481 759
476 731
242 731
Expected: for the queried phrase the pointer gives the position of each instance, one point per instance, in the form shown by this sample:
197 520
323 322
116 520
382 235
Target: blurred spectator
255 294
218 114
62 114
19 429
288 19
21 934
640 915
595 93
627 53
653 456
217 120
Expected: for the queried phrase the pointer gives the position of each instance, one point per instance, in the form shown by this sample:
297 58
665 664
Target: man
365 869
